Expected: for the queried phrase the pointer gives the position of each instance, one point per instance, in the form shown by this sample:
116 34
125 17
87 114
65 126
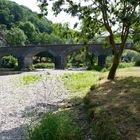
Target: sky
61 18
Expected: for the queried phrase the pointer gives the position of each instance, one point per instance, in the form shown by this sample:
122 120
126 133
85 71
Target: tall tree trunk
114 67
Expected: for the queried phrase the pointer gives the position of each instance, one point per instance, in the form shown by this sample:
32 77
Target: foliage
64 32
41 38
28 28
2 35
55 126
107 14
126 65
38 30
136 34
44 65
29 79
129 56
9 62
41 24
45 38
77 58
12 13
15 36
113 107
30 68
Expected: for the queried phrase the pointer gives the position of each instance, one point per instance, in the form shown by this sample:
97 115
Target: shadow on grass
114 108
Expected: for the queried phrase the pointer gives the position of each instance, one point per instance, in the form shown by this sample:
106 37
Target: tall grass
55 126
44 65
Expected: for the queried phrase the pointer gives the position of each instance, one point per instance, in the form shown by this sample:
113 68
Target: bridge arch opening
43 60
75 59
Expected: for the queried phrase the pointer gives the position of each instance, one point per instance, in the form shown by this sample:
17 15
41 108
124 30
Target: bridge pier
24 62
102 60
60 62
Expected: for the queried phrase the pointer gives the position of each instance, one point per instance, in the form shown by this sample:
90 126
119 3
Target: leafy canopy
113 16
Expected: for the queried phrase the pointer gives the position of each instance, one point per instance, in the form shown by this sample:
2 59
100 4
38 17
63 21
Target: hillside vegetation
28 27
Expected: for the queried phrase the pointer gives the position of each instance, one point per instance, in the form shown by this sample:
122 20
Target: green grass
44 65
55 126
114 106
107 68
80 82
126 65
29 79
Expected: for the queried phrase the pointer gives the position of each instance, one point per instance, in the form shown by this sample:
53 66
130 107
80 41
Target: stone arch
26 59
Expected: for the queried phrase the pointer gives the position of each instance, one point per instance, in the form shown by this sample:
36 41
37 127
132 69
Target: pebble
19 105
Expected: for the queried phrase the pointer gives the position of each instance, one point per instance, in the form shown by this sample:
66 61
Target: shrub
58 126
44 65
9 62
30 68
129 56
126 65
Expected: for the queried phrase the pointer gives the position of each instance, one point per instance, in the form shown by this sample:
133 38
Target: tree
45 38
113 15
136 36
2 35
64 32
15 36
28 28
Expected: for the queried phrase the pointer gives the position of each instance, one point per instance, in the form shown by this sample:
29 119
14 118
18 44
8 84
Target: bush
129 56
126 65
44 65
30 68
58 126
9 62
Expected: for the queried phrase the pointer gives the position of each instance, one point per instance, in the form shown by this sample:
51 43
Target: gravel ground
20 105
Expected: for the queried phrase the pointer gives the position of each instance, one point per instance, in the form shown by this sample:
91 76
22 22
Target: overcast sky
63 17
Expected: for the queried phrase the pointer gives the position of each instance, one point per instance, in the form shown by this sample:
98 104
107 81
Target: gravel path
19 105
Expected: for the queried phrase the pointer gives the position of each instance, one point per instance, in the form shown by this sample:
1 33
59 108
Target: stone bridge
58 52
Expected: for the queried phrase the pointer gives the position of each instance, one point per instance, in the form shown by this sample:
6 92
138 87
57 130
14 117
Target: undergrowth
44 65
55 126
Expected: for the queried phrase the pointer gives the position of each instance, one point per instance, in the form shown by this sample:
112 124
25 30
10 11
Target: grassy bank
113 107
79 83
